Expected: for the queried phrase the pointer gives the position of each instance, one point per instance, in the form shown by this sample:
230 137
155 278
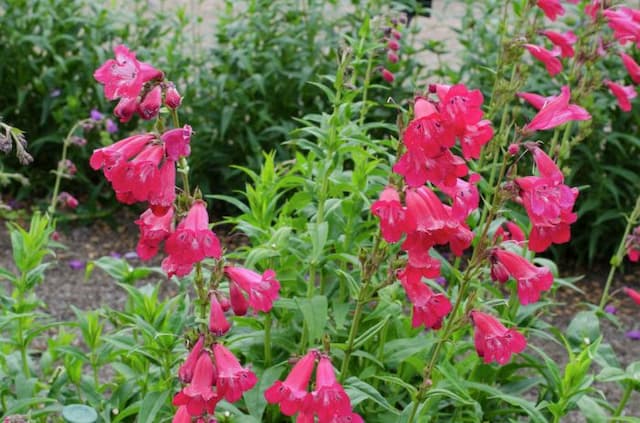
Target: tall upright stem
616 260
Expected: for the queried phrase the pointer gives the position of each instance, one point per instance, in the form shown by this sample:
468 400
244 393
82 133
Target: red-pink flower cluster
138 86
392 39
209 380
454 121
548 202
328 401
553 111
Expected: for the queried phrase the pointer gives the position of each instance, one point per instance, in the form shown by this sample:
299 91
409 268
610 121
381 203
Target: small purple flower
131 255
111 126
633 334
76 264
55 93
96 115
611 309
440 280
115 255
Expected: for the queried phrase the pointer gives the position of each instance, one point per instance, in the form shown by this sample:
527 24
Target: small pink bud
393 45
396 34
172 97
150 105
513 149
387 75
392 57
125 108
55 236
224 302
239 303
68 200
218 323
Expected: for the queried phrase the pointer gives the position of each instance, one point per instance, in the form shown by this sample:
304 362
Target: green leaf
359 391
152 403
319 233
412 390
314 312
254 398
591 410
583 329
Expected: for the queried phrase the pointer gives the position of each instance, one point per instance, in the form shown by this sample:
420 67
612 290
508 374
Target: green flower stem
617 258
626 394
23 349
59 170
474 267
267 340
369 267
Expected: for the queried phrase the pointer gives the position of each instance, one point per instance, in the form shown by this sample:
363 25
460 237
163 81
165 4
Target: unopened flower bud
150 105
96 115
172 97
5 143
79 141
125 109
392 57
387 75
396 34
513 149
69 167
393 45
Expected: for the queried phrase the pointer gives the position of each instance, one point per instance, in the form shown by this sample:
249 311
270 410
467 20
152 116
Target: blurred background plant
246 71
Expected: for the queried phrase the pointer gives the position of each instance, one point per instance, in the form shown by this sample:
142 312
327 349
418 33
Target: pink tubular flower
623 94
535 100
423 107
625 23
592 9
239 303
185 372
564 41
509 231
551 8
461 107
557 112
150 104
233 380
531 280
176 142
429 309
153 230
632 67
119 152
292 394
329 401
551 62
465 196
126 108
198 397
172 97
262 290
182 415
494 342
393 45
124 76
394 220
218 323
474 137
633 294
191 242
